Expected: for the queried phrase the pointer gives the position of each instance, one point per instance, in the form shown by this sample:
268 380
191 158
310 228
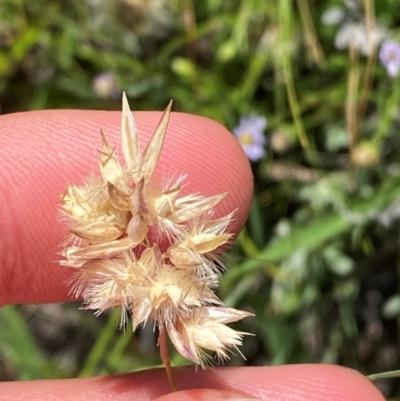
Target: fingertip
308 382
43 152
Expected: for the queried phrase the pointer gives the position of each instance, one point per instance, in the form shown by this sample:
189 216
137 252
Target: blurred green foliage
318 260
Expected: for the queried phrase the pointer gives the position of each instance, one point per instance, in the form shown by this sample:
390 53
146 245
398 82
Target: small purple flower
250 134
105 86
390 57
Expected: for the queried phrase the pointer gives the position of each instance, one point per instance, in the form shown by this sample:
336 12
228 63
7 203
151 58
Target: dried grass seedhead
118 264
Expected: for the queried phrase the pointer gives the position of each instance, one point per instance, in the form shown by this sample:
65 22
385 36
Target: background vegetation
318 261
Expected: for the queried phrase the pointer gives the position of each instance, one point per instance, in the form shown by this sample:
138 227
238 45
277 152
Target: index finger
42 152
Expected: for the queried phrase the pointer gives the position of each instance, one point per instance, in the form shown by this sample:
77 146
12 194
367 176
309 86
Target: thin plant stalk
371 60
189 22
387 116
285 21
384 375
98 350
351 99
164 354
315 52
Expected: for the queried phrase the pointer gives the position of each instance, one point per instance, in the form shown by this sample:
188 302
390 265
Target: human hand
40 154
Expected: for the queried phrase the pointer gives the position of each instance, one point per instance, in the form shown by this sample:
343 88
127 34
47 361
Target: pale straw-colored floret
93 218
114 222
196 248
206 329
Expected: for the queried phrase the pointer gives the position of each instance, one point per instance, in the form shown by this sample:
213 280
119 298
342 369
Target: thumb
206 394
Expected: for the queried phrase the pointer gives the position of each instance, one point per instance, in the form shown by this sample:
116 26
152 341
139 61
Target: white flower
355 34
353 31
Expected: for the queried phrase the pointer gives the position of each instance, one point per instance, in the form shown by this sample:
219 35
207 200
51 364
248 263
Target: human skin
40 154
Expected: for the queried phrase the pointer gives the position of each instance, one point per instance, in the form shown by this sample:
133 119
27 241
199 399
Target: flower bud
365 155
